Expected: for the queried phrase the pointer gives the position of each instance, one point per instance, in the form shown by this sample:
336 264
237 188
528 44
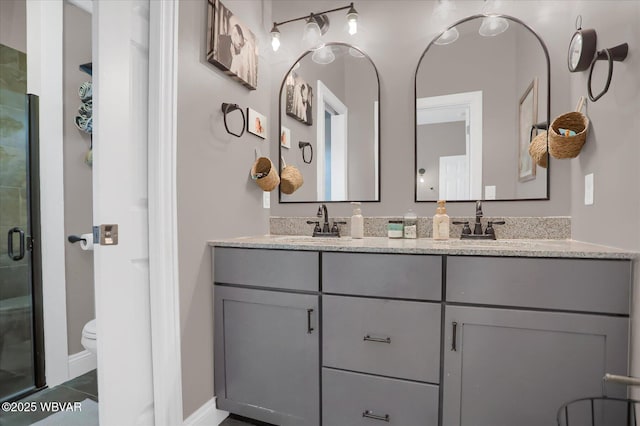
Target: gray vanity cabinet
267 341
504 365
510 367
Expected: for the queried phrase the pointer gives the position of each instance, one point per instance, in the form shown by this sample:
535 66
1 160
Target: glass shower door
21 363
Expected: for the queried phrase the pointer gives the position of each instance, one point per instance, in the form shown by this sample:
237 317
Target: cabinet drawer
286 269
565 284
385 275
354 399
387 337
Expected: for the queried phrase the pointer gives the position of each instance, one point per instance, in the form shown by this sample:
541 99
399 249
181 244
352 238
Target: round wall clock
582 48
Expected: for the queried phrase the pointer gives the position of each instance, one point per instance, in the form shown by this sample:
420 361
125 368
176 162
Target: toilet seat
89 330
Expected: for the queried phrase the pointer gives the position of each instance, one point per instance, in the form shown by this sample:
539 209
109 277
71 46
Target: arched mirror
482 94
329 125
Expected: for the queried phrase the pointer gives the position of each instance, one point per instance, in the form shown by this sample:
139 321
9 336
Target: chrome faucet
325 230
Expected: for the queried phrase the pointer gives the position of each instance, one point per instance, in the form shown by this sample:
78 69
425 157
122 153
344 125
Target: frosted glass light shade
323 56
311 36
492 26
448 37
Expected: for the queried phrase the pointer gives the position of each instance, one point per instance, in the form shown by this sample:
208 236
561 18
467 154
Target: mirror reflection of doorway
332 146
452 124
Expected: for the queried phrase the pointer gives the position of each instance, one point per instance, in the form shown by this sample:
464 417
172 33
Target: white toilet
89 336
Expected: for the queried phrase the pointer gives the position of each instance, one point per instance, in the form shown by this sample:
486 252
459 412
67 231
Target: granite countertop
517 248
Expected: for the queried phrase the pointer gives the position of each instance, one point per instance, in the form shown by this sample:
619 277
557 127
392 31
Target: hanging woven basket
291 180
569 146
265 174
538 150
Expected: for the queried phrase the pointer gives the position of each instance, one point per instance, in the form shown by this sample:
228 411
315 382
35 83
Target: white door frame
325 95
44 78
474 138
163 226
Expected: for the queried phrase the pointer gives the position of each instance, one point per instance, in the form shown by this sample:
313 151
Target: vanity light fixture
492 24
317 25
448 37
441 13
323 56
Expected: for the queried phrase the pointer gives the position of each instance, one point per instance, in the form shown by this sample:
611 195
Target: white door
454 178
120 78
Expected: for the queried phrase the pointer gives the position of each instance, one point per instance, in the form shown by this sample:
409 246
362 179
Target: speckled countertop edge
508 248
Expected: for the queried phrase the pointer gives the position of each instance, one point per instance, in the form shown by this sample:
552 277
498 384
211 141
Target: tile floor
75 390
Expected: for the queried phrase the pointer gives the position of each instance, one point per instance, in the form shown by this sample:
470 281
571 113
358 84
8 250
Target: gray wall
13 24
612 149
396 58
77 178
216 198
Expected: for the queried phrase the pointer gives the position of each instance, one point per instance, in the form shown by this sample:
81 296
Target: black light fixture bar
277 24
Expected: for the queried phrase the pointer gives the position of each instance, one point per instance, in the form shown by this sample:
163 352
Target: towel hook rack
226 109
302 146
618 54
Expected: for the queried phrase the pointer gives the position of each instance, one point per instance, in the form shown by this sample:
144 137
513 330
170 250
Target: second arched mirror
329 125
482 93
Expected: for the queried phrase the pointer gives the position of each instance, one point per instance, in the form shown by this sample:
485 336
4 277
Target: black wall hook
226 109
618 54
302 146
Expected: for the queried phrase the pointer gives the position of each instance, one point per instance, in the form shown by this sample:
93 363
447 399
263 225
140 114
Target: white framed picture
285 137
256 123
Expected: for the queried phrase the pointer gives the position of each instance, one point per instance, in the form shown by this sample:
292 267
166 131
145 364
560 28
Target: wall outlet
266 200
588 189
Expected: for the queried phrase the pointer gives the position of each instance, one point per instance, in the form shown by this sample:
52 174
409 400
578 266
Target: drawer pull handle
453 336
369 414
309 326
368 338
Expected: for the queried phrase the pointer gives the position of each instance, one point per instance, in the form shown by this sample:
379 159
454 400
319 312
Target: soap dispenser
441 222
357 222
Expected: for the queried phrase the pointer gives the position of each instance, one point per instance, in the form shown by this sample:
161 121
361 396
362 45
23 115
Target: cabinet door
267 359
509 367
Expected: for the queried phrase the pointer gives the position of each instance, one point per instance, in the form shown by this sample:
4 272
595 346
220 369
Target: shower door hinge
106 235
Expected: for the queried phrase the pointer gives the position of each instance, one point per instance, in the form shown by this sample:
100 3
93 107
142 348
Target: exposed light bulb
492 26
448 37
275 37
352 19
312 34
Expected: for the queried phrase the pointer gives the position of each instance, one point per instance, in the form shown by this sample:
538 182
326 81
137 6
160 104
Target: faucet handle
466 230
317 228
490 230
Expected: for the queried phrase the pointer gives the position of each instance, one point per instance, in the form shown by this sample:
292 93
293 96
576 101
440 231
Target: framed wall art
231 45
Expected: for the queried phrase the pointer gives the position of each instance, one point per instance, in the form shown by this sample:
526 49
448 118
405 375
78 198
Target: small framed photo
285 137
256 123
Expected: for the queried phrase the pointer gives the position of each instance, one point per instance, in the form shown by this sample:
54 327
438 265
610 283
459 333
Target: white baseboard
207 415
81 363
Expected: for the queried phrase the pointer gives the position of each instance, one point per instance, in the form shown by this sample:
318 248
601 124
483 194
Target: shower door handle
10 252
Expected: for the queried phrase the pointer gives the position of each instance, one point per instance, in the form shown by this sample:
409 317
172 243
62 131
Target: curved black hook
302 146
226 109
